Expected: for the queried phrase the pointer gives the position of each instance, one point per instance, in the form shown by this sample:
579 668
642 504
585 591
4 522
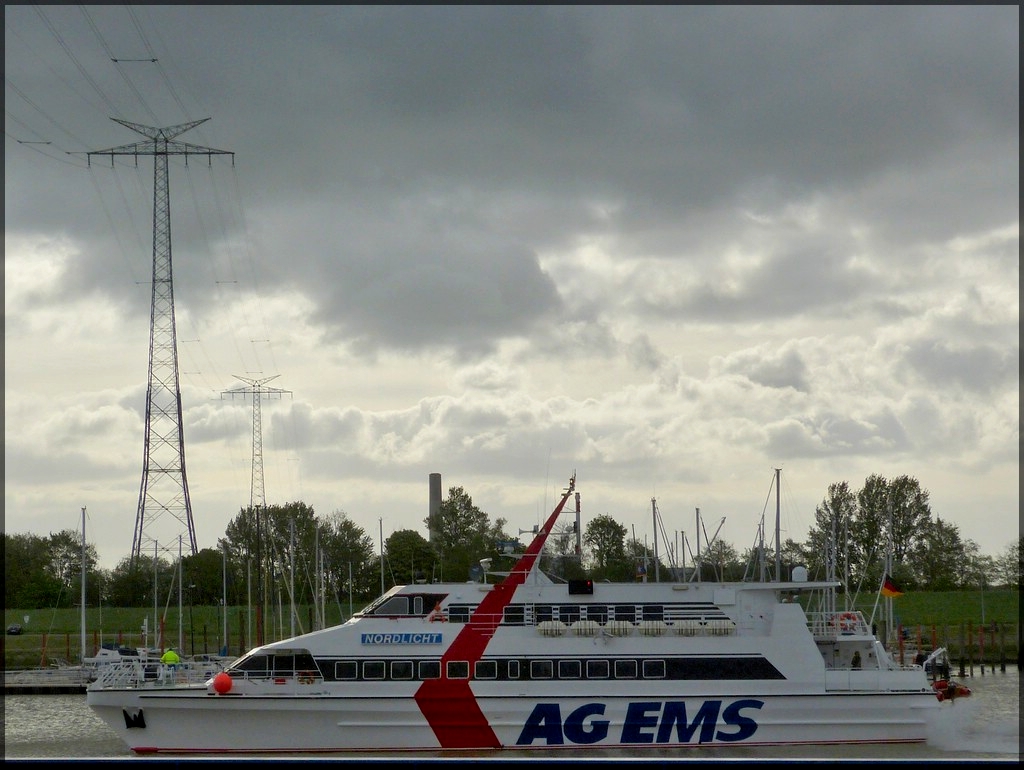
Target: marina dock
46 681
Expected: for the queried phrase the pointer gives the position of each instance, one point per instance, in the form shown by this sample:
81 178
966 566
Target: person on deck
855 661
170 661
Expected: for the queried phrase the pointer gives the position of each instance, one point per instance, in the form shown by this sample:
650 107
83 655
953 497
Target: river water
982 728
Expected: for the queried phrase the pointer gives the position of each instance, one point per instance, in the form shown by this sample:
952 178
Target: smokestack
435 503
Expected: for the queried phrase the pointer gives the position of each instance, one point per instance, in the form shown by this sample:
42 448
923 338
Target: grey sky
671 248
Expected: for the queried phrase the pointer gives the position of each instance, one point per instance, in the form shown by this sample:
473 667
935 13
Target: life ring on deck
847 621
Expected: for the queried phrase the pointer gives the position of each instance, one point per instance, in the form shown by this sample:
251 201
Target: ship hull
195 721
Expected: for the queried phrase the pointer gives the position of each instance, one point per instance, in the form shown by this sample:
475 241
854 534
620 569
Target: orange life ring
847 621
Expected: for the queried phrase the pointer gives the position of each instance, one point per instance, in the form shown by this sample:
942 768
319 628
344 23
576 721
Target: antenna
164 487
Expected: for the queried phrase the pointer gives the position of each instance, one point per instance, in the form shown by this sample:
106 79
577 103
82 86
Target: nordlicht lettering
407 638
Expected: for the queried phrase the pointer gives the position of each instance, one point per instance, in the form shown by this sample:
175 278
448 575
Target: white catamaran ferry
529 663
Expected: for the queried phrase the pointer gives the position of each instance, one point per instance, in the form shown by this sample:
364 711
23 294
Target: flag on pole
890 589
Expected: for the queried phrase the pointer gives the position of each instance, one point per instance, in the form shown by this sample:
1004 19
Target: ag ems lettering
646 722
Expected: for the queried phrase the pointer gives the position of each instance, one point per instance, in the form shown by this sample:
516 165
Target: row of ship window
521 614
511 669
417 605
682 667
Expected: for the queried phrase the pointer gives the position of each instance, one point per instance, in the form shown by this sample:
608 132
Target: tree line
268 553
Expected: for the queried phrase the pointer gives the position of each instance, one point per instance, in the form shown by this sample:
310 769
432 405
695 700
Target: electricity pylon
164 488
257 493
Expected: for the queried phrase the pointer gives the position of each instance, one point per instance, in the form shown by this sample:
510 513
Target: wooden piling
981 647
963 650
1002 648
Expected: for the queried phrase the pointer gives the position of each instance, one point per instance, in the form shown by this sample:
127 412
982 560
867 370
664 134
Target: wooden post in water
992 644
963 649
981 647
1002 648
970 647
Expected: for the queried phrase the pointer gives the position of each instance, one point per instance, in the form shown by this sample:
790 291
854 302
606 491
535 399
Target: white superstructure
532 664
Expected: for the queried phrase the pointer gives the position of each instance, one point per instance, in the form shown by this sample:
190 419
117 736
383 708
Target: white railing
133 674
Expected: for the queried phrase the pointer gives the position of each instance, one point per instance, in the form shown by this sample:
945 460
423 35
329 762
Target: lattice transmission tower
257 492
163 493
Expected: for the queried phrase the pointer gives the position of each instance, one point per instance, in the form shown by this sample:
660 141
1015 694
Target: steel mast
164 488
257 493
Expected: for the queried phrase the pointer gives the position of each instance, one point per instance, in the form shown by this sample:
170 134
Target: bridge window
284 665
396 605
254 665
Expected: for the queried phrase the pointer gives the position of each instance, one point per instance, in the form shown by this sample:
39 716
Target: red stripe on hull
449 705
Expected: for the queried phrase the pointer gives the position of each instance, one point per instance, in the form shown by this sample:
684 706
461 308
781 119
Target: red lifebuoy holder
847 622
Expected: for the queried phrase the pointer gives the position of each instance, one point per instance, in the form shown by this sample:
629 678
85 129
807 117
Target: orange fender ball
222 683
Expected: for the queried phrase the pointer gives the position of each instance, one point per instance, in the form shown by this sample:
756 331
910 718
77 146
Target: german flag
890 589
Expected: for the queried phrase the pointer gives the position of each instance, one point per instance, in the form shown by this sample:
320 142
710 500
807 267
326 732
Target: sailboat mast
83 585
157 629
657 561
778 516
291 573
224 595
181 630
